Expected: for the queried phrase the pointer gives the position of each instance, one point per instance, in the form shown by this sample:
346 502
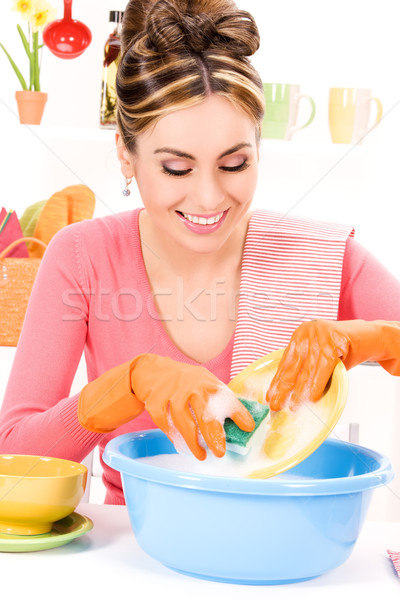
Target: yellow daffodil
24 7
43 14
38 13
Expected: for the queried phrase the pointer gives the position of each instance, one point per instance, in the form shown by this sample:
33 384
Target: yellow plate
288 437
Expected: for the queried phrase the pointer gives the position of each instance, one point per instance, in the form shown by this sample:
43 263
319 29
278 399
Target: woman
169 302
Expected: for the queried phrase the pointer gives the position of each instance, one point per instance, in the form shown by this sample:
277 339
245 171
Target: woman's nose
208 193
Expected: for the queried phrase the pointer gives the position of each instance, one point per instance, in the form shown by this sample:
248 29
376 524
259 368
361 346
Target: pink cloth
10 232
291 273
92 294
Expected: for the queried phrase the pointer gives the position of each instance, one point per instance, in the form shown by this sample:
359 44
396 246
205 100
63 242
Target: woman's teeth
203 220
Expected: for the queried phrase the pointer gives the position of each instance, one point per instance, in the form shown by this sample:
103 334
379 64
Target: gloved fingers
185 422
307 364
313 381
313 378
241 416
213 431
211 410
302 372
210 422
214 436
283 383
325 347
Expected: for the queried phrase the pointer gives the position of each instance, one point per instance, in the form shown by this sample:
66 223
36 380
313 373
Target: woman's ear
124 157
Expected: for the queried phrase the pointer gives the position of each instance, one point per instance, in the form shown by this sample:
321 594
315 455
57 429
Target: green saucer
63 531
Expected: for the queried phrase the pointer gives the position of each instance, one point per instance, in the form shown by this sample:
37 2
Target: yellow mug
349 114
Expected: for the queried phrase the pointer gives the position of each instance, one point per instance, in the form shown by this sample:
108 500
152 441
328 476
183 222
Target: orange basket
16 280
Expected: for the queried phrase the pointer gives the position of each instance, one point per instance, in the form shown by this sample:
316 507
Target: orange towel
70 205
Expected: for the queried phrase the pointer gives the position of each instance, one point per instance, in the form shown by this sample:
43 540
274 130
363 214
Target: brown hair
175 53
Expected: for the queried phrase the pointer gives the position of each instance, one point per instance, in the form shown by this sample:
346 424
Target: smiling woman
172 300
202 185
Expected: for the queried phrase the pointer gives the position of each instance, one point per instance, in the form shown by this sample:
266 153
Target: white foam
309 419
220 405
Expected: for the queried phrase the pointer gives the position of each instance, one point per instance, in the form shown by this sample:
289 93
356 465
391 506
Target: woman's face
196 172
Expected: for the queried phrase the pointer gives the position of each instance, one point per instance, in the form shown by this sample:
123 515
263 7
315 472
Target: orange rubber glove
316 347
179 398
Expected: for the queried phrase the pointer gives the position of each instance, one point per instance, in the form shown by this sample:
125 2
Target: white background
314 43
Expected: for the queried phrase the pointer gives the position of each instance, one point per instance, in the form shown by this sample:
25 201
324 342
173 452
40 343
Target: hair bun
163 27
238 33
171 29
200 31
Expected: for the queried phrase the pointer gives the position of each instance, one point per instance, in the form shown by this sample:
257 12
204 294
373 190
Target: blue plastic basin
249 531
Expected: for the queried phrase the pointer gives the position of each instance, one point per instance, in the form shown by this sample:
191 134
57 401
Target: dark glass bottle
110 65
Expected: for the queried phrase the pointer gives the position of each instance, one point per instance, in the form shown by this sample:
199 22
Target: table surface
107 562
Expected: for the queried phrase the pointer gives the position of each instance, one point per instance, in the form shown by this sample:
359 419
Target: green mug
282 102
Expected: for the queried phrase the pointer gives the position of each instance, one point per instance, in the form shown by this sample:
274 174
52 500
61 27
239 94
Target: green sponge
237 440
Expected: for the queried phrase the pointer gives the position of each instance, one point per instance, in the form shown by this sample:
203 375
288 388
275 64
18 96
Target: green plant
37 13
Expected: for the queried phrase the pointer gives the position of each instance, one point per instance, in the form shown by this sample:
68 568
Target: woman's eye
234 168
227 168
175 172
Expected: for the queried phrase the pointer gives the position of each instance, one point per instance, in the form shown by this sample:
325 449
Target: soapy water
288 436
230 465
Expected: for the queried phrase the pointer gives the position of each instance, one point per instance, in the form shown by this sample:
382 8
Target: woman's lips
202 223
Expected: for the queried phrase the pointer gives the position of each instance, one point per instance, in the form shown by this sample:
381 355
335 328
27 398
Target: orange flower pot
30 106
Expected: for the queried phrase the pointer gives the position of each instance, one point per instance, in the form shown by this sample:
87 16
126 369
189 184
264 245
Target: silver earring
127 191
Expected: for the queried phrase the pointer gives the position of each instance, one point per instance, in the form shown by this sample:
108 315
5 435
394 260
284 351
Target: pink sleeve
369 291
37 415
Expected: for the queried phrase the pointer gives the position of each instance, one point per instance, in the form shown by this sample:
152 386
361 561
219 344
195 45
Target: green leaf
29 53
24 41
16 70
36 70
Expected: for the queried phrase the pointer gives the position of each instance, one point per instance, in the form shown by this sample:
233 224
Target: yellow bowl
36 491
290 436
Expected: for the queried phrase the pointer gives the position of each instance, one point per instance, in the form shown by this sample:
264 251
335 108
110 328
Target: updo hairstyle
176 53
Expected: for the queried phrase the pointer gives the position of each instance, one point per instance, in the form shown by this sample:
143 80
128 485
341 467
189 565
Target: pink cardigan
92 294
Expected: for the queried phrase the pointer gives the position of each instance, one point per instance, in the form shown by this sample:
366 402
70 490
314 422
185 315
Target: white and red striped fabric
291 272
395 558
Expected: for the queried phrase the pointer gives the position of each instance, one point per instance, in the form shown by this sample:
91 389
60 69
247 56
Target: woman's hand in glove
316 347
187 399
182 399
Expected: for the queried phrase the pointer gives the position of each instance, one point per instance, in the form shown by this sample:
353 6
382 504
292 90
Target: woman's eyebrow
235 149
175 152
186 155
